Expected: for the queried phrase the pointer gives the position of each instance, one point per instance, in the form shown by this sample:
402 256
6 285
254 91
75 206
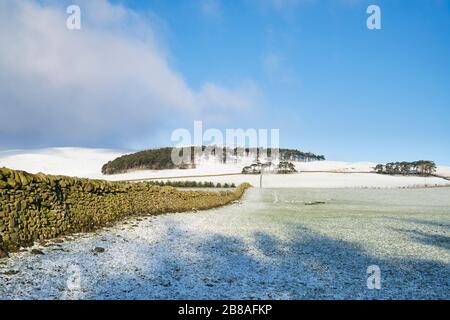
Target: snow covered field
88 162
304 236
272 245
79 162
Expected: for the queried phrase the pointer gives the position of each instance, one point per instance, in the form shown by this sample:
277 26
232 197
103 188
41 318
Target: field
276 243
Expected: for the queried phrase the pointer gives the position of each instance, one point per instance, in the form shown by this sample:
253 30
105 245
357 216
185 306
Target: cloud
211 9
281 7
271 62
242 97
283 4
274 4
108 83
277 70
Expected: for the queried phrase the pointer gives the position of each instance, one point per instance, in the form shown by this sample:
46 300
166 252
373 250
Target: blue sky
312 67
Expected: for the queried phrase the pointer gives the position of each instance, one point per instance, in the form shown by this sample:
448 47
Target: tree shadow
439 224
426 238
436 240
310 266
208 265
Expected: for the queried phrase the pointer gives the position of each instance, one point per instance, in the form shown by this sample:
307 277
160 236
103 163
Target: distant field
87 163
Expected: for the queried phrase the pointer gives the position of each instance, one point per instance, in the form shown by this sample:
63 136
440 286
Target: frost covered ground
276 244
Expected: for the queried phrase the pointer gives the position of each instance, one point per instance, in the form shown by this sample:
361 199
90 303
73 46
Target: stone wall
35 207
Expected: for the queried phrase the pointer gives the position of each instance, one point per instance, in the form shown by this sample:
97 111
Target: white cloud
283 7
109 81
283 4
211 8
271 62
277 69
242 97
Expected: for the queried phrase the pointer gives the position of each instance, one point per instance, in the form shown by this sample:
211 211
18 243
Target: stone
3 254
98 250
10 272
314 203
31 209
13 183
24 179
37 252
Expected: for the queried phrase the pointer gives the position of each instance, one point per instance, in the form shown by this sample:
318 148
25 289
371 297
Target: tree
379 168
285 167
421 167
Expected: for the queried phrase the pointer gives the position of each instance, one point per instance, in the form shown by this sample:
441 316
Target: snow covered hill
87 163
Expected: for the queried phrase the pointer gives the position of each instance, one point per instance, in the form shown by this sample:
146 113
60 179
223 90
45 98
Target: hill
160 159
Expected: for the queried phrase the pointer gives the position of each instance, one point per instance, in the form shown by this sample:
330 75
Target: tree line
283 167
192 184
296 155
421 167
156 159
160 159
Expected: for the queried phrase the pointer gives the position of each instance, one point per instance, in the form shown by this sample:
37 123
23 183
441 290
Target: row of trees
284 167
254 168
159 159
156 159
296 155
421 167
192 184
284 154
258 153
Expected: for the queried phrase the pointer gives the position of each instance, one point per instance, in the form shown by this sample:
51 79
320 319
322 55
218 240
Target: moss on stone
37 207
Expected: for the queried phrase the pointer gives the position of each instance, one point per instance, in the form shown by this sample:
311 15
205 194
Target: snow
274 244
337 166
270 246
79 162
87 163
443 171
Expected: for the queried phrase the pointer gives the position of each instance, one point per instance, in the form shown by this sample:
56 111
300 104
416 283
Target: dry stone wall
38 206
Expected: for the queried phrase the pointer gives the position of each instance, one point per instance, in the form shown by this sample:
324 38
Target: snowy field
87 163
273 245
